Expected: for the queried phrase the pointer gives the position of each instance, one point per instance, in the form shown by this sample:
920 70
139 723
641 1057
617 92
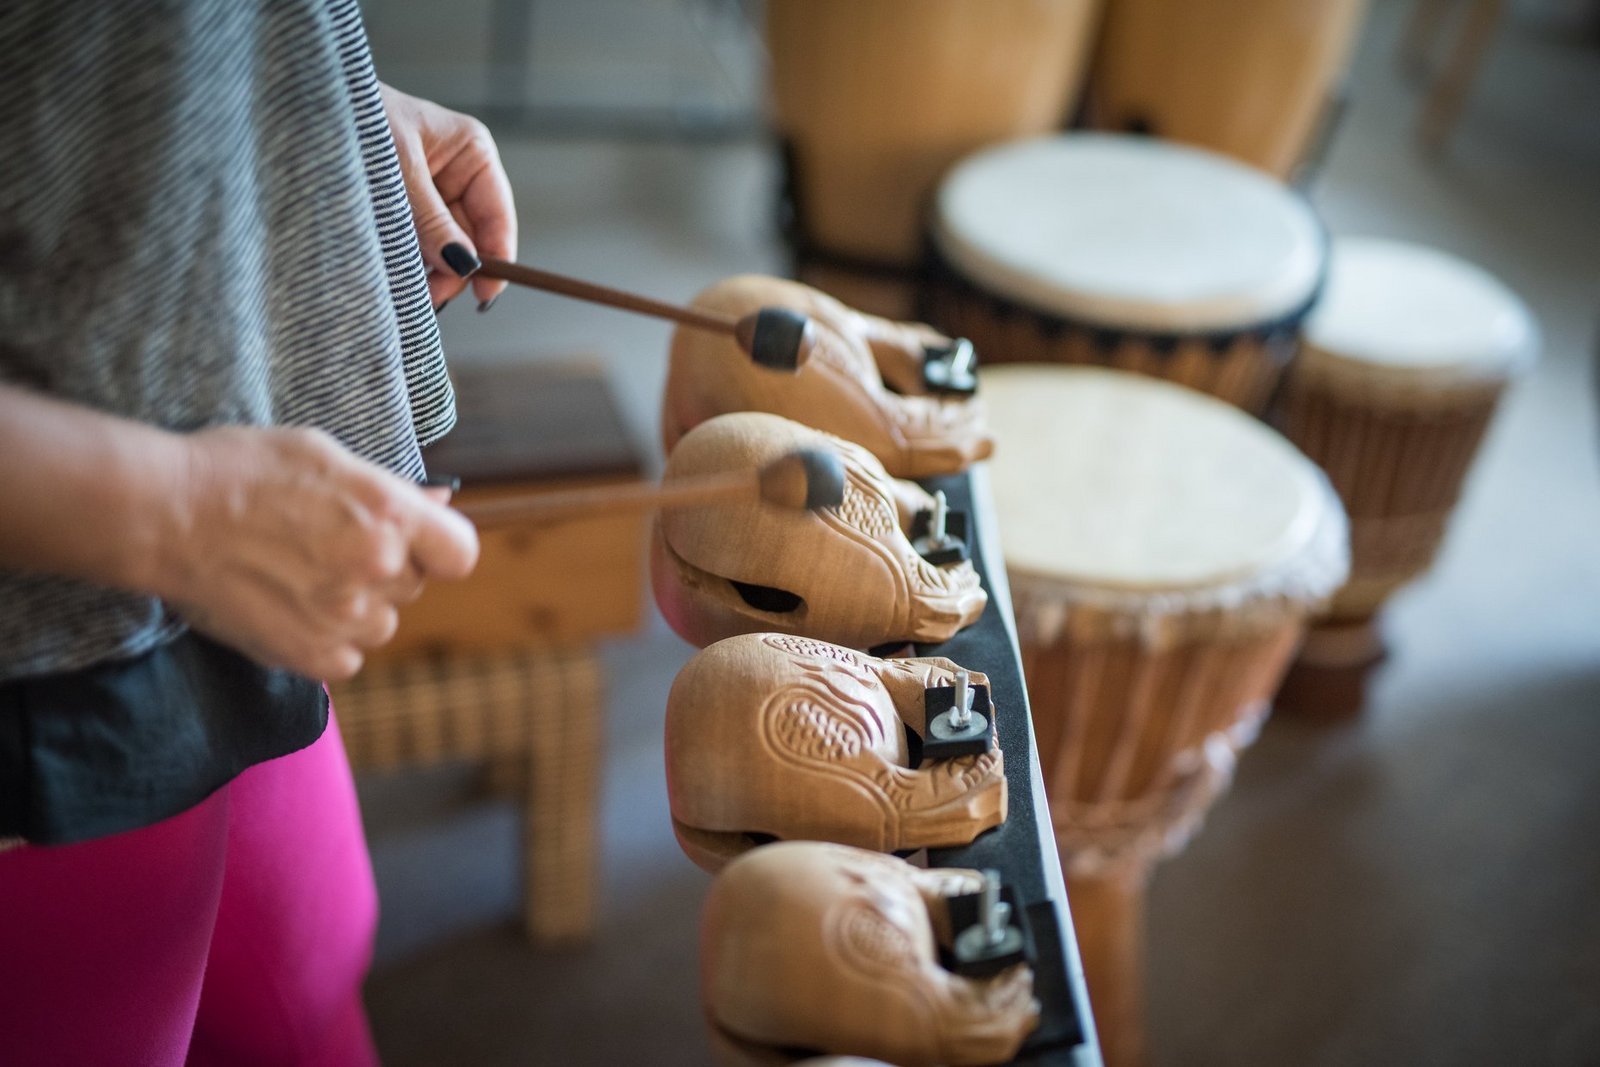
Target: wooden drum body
1164 552
1253 79
873 102
1129 253
1401 368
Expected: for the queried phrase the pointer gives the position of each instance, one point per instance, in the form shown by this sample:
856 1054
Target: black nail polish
440 306
485 305
443 481
458 259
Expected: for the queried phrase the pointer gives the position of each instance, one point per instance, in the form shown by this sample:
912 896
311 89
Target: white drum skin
1127 252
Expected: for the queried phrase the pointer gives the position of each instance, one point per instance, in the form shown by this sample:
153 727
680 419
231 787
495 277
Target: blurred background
1420 885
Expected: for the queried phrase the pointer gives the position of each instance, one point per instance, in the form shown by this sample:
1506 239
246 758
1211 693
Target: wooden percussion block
778 736
825 948
849 574
868 380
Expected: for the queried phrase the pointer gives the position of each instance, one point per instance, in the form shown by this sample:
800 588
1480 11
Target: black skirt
123 745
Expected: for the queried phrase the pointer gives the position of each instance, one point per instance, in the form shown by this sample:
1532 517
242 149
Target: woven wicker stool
500 667
535 717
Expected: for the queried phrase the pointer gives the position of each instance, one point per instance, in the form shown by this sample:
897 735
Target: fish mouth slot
768 598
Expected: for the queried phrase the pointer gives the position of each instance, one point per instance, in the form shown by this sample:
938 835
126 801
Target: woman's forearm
84 494
273 540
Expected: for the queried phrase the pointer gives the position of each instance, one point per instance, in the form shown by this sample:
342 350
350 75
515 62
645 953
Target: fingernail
485 305
440 306
443 481
458 259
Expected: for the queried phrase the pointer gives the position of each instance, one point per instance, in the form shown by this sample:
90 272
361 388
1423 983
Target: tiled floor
1421 888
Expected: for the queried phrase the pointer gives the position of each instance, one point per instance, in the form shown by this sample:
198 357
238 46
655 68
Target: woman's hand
297 553
277 542
459 194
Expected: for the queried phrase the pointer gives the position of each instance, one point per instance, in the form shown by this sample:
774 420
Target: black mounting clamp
939 534
950 368
991 931
958 720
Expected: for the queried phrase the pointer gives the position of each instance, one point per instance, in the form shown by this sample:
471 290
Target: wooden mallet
773 337
806 479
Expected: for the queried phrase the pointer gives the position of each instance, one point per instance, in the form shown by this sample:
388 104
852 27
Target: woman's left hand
459 194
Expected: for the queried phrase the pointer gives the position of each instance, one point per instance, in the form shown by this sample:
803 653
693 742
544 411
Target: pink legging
236 933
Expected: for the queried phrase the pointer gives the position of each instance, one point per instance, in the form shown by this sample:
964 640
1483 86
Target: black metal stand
1023 848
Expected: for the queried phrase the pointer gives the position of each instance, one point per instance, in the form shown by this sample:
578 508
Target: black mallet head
776 337
809 479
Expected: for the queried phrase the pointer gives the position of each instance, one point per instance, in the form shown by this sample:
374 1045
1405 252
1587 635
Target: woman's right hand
289 548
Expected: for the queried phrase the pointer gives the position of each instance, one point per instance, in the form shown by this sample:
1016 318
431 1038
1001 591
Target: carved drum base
1328 682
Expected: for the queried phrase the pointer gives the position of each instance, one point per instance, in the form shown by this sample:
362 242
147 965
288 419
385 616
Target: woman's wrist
154 493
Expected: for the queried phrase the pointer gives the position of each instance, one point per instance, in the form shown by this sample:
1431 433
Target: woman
218 360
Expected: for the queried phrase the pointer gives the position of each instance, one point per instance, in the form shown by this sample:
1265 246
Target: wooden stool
500 667
1164 551
535 716
1449 86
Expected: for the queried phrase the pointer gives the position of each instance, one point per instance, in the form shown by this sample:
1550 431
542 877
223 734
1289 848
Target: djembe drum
874 100
1126 252
1254 79
1164 552
1401 368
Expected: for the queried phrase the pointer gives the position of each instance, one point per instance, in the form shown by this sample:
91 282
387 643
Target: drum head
1394 305
1130 233
1116 481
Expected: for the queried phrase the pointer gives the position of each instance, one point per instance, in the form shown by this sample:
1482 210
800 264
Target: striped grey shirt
202 221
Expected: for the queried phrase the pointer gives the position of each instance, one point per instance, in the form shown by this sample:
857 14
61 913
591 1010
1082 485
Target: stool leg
507 775
1449 90
1108 914
560 852
1422 30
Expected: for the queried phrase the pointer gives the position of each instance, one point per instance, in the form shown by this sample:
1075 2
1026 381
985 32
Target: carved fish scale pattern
874 943
818 731
867 510
806 648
